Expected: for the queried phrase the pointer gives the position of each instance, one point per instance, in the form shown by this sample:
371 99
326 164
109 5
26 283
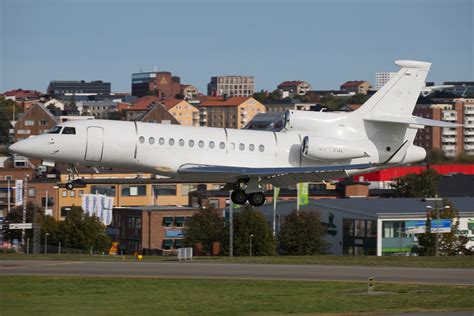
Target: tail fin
399 95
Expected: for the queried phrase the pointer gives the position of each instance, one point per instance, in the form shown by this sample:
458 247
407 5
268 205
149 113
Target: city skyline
323 43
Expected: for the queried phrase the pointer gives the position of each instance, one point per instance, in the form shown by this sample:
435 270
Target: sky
322 42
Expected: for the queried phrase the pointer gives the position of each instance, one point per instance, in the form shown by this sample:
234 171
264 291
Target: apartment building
37 120
357 86
225 112
188 91
60 88
452 141
185 113
381 78
289 89
231 86
149 109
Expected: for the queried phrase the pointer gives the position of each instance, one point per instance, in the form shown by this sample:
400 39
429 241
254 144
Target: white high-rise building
381 78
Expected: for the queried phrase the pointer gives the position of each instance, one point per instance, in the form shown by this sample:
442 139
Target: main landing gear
240 197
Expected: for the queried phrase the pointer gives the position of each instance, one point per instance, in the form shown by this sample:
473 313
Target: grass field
106 296
422 262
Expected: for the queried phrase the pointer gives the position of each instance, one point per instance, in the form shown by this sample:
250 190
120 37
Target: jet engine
329 149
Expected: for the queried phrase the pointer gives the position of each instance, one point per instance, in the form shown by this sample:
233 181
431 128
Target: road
237 271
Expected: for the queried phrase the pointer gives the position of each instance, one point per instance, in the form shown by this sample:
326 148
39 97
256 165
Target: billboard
441 225
415 227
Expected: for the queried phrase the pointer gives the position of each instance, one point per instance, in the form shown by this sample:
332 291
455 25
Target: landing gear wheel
239 197
256 199
69 186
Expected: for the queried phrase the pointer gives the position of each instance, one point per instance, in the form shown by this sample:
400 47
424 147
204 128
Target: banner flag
18 192
98 205
303 193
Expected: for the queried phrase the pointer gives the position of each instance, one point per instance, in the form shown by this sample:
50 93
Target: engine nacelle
329 149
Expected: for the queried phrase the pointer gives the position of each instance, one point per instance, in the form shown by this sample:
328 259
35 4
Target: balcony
448 139
469 111
449 116
468 147
449 148
469 140
449 132
469 123
243 113
468 132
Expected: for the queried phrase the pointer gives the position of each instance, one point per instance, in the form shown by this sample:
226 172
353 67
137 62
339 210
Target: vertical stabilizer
399 95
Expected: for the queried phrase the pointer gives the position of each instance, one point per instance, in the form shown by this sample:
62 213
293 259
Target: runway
237 271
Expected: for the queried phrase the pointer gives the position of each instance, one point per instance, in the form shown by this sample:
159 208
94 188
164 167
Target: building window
164 190
134 222
29 123
168 221
24 131
80 193
31 192
186 188
65 211
167 244
108 190
214 203
134 190
72 193
64 194
179 221
43 123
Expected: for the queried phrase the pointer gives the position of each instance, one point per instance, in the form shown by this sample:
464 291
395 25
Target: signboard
21 226
174 234
415 227
441 226
18 192
303 193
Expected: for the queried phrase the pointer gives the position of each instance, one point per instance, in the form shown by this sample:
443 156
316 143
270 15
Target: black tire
239 197
69 186
256 199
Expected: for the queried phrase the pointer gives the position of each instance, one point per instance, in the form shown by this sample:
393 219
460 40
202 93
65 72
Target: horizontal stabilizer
410 120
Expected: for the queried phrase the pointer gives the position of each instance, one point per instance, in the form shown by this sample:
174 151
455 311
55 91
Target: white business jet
313 146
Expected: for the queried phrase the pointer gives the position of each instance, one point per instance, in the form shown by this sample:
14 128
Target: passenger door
95 144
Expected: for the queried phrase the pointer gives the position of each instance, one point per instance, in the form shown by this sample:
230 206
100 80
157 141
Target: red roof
290 83
393 173
355 83
171 103
144 103
220 101
21 94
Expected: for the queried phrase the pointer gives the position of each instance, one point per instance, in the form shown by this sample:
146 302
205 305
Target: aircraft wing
276 176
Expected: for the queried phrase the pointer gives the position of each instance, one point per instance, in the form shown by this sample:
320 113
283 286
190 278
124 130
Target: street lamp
250 248
46 243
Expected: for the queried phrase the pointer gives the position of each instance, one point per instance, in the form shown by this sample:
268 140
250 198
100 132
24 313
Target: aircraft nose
25 147
17 148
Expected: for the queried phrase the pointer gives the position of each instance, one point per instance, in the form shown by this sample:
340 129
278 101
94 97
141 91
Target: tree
16 216
333 102
250 222
302 234
450 244
358 98
205 227
417 185
7 108
267 97
435 156
81 231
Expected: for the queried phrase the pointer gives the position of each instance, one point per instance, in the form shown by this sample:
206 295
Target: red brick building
161 84
37 120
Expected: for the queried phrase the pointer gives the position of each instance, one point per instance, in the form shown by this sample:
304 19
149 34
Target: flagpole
231 226
276 192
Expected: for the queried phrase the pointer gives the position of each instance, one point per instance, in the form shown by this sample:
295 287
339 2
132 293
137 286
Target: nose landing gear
71 182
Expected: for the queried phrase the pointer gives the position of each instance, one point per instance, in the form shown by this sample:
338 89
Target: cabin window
141 140
212 144
261 148
171 141
221 145
201 144
55 130
69 131
251 147
161 141
151 140
181 142
191 143
242 146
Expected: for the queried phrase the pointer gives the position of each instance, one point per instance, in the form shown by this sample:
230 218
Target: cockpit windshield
55 130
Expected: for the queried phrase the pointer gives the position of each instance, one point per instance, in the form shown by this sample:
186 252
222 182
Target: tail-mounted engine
329 149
